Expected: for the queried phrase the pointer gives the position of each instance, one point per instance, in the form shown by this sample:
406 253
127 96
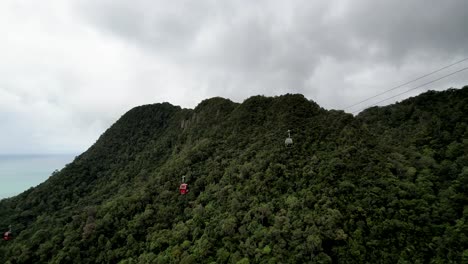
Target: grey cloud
289 40
159 25
402 28
247 40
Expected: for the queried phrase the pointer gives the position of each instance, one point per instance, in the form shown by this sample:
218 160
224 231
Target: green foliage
387 186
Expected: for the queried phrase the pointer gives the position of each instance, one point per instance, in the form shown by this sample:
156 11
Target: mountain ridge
339 195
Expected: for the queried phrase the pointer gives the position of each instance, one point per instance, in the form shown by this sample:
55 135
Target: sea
21 172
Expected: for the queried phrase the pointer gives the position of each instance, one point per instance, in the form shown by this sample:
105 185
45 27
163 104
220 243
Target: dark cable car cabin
8 235
183 188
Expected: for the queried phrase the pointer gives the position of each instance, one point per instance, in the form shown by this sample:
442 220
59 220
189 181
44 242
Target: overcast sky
69 69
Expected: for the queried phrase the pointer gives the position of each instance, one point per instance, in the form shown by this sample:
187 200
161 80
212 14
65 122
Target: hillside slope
386 186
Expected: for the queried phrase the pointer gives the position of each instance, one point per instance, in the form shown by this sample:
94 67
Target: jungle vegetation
386 186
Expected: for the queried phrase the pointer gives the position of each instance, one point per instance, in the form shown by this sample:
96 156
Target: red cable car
7 236
183 188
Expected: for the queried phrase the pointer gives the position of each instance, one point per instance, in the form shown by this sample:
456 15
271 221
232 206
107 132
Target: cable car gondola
8 235
183 188
288 141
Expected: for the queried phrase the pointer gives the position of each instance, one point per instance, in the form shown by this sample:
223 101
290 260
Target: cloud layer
71 68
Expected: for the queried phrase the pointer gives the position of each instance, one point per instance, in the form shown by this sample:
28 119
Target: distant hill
386 186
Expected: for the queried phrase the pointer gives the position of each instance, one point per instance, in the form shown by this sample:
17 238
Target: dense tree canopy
387 186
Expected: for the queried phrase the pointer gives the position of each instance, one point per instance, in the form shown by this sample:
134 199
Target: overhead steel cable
414 88
401 85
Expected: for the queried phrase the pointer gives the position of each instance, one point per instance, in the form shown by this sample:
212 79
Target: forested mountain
386 186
